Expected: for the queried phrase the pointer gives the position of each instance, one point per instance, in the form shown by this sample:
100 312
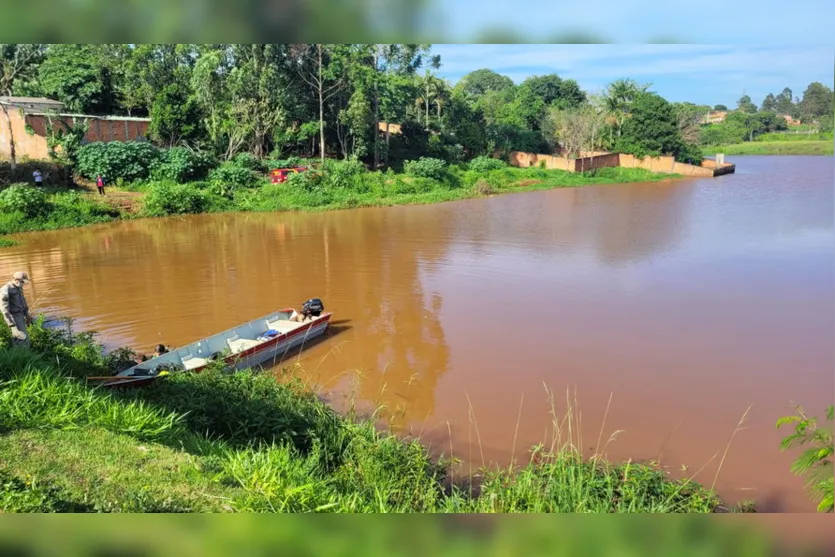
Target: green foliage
345 174
24 199
232 176
179 164
485 164
481 81
77 75
129 160
823 136
175 116
169 198
652 130
826 124
818 101
815 462
248 161
426 167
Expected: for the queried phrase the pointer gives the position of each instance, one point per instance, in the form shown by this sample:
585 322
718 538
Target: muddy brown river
686 302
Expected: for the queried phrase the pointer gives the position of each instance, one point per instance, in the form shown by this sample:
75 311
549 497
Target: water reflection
688 300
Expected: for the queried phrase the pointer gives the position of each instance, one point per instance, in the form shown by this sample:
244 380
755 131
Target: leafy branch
815 463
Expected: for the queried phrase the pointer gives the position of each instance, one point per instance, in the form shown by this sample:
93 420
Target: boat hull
270 351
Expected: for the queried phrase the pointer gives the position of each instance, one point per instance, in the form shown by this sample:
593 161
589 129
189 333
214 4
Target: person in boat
311 309
14 308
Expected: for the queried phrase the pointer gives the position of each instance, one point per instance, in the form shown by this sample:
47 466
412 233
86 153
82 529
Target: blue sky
703 74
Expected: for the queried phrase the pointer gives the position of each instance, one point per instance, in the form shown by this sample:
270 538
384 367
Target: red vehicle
279 175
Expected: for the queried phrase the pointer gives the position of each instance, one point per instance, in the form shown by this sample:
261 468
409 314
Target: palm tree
619 96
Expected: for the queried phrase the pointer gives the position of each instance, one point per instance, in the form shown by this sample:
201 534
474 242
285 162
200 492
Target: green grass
773 148
370 189
62 209
241 442
826 136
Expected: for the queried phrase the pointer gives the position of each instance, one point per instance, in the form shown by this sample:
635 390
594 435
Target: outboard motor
313 307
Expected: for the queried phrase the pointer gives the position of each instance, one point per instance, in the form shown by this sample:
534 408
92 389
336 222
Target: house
384 127
715 117
24 122
789 120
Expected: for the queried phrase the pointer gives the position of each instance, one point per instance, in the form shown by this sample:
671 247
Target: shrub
486 164
343 174
283 163
248 161
168 198
182 165
815 463
426 167
21 198
231 173
128 160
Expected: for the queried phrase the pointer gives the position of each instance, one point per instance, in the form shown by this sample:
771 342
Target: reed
245 441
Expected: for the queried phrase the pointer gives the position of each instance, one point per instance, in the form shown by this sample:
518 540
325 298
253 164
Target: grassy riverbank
228 442
339 186
796 147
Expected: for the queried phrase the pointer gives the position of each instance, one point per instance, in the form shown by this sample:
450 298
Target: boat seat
241 344
283 325
191 362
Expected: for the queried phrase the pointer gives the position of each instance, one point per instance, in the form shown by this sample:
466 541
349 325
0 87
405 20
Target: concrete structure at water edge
24 122
601 159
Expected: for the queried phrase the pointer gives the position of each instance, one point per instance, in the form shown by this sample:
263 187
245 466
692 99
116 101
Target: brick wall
33 146
665 164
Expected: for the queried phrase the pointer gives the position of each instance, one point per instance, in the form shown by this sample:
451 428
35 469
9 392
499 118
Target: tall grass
258 444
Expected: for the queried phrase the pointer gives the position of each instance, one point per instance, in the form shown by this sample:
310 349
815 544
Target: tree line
382 104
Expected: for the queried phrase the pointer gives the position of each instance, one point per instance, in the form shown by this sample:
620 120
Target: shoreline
255 442
525 180
774 148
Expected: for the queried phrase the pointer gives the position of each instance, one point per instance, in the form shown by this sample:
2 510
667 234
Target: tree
619 96
817 101
769 103
481 81
77 76
175 116
551 89
18 65
744 104
320 67
720 107
689 117
576 130
652 129
785 103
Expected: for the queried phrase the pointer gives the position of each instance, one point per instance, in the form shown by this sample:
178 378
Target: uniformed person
14 308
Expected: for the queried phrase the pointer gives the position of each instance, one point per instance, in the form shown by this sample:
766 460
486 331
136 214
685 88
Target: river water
682 302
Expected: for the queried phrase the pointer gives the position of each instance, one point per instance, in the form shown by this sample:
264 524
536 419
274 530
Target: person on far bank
100 184
14 308
38 177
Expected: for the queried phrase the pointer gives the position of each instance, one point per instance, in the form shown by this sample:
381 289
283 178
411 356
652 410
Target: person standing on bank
100 184
14 308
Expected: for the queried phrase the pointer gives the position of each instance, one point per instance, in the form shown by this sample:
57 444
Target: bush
343 174
182 165
21 198
426 167
128 160
232 174
486 164
248 161
168 198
